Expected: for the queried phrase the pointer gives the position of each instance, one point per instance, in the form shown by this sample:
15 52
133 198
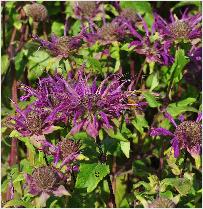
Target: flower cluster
187 135
88 106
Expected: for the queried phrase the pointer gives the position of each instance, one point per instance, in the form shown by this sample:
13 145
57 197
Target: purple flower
186 28
46 180
87 106
154 49
187 135
61 46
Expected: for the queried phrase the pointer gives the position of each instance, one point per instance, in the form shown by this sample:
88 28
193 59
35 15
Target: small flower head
151 46
187 135
37 11
186 28
61 46
162 202
44 179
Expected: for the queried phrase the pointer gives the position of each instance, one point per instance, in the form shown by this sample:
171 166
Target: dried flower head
61 46
162 202
110 32
37 11
187 135
129 15
86 10
45 179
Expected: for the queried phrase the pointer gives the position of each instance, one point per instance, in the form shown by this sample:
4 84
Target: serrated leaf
90 175
151 100
125 147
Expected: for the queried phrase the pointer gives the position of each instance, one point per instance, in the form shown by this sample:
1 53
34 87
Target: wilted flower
186 28
151 46
48 180
109 33
37 11
162 202
128 15
86 10
61 46
187 135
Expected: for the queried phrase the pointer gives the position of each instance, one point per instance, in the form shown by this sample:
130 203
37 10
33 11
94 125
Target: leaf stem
102 159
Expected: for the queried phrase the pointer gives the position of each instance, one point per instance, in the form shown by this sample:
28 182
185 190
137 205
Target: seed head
162 202
68 147
130 15
180 29
37 11
46 178
87 8
34 122
189 133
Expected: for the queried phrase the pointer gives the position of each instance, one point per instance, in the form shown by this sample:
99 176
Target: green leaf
94 64
183 186
125 147
4 64
178 65
18 203
139 6
151 100
182 106
90 175
116 135
140 123
20 177
57 28
15 134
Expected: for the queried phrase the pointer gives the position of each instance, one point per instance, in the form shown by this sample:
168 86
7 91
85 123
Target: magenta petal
175 146
160 132
199 117
170 118
76 128
61 191
92 128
